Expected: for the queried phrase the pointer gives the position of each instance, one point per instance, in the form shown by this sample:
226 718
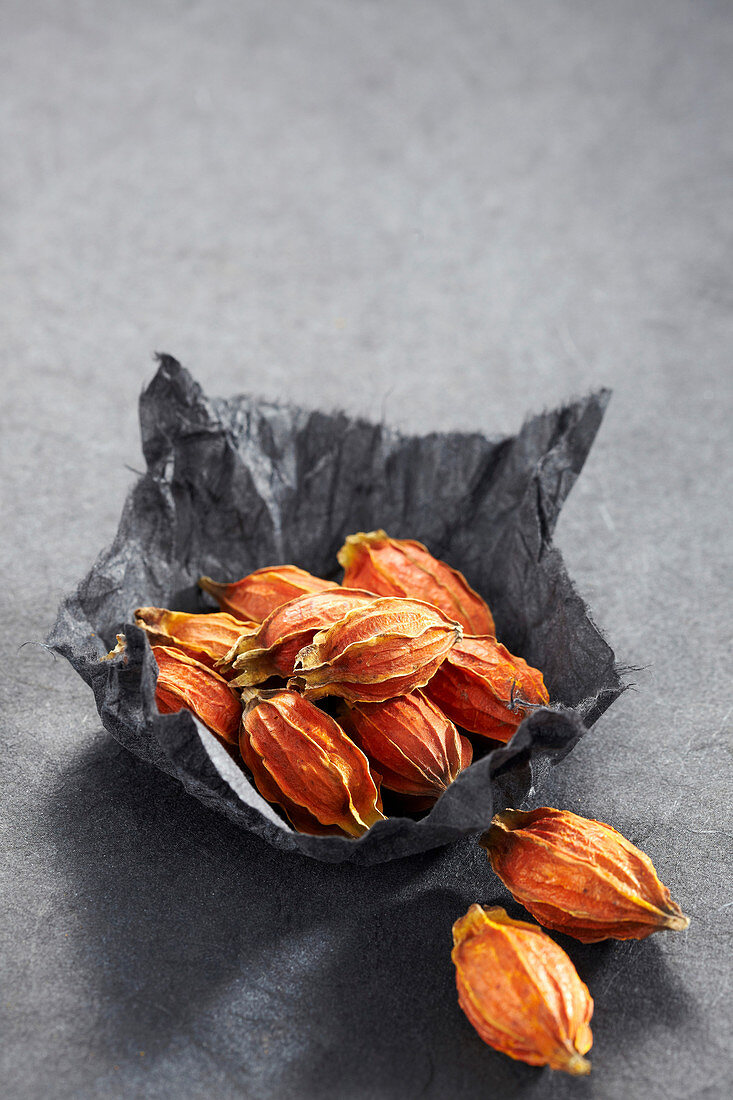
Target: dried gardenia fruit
184 682
271 648
521 991
259 593
402 567
579 876
302 760
387 648
481 686
206 638
415 748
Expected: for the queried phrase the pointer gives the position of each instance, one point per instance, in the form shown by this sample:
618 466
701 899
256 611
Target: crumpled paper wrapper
234 485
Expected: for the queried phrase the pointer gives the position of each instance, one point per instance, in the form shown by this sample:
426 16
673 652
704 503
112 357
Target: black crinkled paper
234 485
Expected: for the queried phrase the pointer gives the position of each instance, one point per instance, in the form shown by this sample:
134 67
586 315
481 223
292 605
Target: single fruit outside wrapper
270 649
415 748
387 648
520 991
482 687
259 593
579 876
403 567
301 759
184 682
206 638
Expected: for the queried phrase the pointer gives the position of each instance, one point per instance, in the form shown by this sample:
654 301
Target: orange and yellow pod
411 743
403 567
303 761
207 638
387 648
482 687
521 992
579 876
184 682
270 649
256 595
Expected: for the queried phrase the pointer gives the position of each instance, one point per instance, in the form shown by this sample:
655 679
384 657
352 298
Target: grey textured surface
449 215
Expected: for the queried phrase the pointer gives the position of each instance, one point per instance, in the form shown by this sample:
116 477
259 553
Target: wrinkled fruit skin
206 638
579 876
377 652
481 687
403 567
302 760
271 648
184 682
259 593
520 991
413 746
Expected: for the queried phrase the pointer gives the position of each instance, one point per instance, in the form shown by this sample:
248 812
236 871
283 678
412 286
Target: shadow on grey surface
392 1017
180 910
295 978
162 896
634 990
391 1023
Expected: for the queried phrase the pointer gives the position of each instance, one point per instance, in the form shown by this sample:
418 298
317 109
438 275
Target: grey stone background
449 215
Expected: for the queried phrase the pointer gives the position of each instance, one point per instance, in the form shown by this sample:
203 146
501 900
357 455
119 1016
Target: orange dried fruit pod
403 567
579 876
387 648
301 759
206 638
481 686
256 595
270 649
414 747
184 682
521 991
